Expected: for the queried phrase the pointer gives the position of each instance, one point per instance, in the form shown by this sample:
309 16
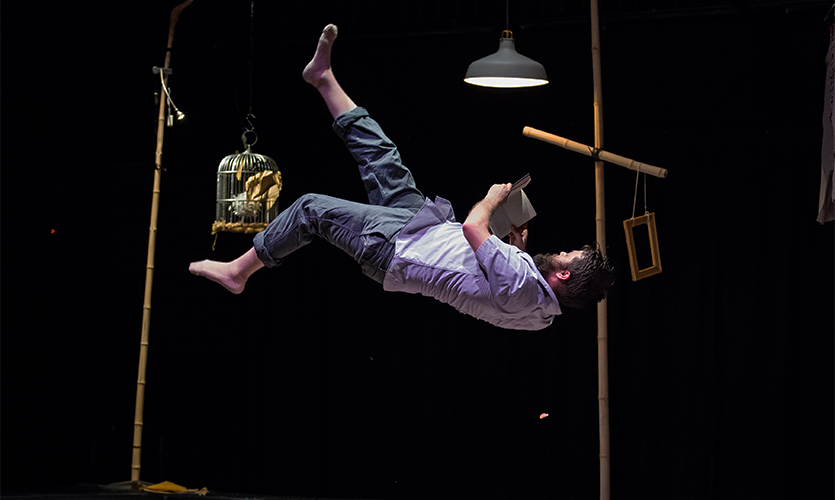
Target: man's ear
556 278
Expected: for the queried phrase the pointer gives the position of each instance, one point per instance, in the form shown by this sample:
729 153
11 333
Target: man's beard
546 263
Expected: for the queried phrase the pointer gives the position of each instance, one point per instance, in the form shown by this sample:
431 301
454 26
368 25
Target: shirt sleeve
510 276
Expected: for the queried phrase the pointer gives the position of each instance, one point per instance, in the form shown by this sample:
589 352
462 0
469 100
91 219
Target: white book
516 211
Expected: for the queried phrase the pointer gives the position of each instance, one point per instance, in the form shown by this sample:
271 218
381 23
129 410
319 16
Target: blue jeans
367 232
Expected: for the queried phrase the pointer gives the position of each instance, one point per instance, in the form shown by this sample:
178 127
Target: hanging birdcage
248 186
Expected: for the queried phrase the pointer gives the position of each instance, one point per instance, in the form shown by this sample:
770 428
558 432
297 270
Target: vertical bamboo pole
149 270
600 218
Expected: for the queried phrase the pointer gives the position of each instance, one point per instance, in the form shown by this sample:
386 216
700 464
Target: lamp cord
167 94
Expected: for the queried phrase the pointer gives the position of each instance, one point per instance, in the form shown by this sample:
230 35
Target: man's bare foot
219 272
320 65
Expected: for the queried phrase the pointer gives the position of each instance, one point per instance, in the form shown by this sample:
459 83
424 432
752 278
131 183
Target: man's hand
519 237
477 226
498 194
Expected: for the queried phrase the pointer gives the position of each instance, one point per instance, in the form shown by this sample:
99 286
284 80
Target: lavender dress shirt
498 284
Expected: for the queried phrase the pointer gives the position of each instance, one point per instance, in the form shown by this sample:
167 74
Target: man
412 244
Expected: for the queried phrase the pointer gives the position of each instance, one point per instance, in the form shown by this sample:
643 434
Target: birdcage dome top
247 161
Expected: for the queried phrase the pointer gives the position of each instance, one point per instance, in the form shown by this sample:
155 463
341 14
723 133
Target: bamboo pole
590 151
149 270
600 157
600 217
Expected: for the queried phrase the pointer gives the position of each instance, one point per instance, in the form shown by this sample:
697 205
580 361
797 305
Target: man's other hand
519 237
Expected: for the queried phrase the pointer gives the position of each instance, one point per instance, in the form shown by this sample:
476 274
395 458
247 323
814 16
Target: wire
251 44
168 97
635 199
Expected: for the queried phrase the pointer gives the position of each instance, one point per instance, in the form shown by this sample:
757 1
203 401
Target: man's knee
309 203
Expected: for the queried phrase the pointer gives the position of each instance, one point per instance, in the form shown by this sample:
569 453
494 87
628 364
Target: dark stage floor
122 491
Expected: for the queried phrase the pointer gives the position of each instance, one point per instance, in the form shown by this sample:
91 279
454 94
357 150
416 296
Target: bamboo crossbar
589 151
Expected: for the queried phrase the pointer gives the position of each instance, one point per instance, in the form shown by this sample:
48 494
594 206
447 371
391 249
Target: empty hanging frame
629 226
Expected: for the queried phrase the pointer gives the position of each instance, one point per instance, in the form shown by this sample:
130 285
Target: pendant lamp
506 68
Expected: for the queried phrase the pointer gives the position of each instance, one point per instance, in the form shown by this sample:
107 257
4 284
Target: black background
315 382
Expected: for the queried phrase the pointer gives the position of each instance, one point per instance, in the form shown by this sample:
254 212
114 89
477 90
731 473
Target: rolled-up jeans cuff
342 123
262 252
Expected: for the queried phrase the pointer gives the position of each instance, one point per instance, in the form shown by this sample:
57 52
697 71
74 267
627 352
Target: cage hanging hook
249 122
249 131
245 138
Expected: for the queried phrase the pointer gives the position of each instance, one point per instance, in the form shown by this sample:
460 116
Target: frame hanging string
635 199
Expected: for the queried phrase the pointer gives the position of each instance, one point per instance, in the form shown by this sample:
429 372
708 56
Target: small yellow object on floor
169 487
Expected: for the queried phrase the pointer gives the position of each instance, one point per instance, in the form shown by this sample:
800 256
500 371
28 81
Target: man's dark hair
591 277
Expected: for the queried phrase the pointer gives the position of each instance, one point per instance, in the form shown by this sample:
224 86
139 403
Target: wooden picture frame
628 227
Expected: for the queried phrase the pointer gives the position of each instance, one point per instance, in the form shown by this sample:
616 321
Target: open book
517 211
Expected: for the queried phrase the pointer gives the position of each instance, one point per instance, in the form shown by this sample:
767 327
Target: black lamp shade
506 68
